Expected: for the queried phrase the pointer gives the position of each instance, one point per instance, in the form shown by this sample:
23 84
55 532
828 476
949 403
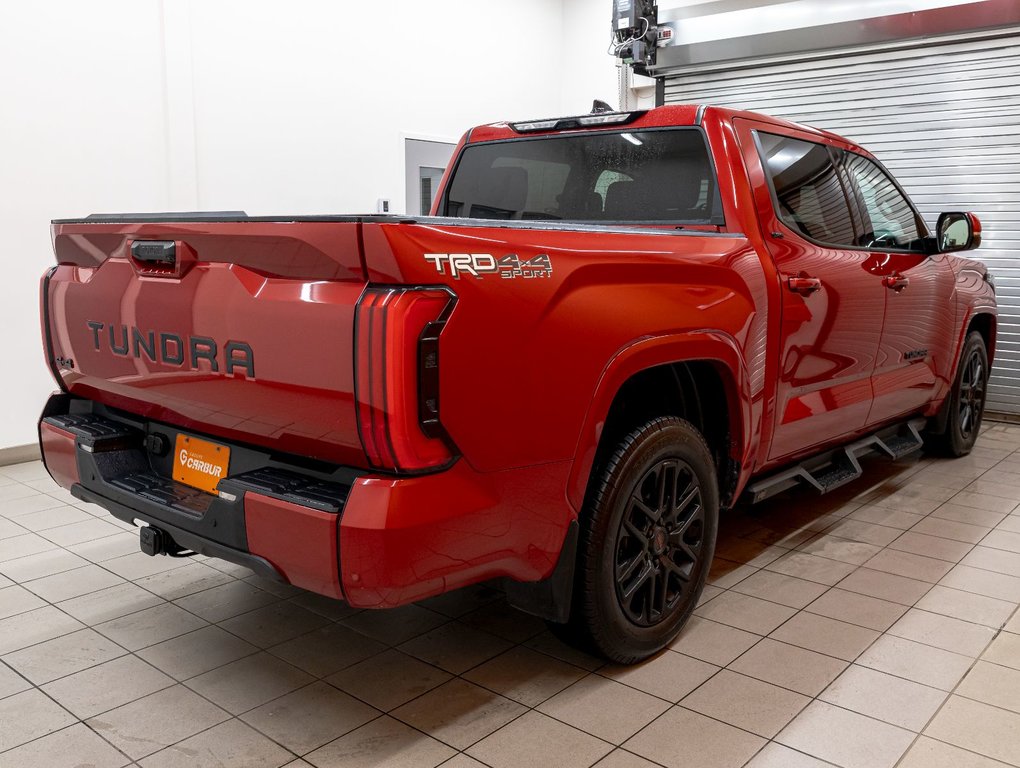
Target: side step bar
832 469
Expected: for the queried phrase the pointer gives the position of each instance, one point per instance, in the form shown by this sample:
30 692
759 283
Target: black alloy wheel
647 535
965 405
659 542
973 380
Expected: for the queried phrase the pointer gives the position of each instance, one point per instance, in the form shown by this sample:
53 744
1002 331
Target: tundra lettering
238 355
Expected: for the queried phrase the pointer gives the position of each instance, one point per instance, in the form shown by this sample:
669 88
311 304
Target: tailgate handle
157 253
162 258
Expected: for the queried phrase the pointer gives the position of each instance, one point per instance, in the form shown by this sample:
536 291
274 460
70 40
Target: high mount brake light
397 377
581 121
537 125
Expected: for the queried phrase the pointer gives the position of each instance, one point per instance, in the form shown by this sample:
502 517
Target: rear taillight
397 377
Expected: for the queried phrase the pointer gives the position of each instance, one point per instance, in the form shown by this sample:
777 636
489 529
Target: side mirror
958 232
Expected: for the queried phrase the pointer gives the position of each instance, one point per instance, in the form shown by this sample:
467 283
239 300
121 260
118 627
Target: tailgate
239 329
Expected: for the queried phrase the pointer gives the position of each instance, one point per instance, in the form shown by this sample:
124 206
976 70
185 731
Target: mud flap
550 598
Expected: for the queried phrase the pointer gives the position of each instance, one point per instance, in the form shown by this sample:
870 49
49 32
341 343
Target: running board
830 470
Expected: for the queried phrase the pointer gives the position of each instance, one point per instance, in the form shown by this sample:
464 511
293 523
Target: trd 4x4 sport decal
480 264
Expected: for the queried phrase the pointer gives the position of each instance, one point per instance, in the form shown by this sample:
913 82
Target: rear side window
889 220
807 189
650 176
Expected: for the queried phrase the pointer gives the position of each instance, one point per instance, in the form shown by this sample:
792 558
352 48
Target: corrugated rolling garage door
945 119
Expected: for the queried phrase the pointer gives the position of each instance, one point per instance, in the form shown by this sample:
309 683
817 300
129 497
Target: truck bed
252 339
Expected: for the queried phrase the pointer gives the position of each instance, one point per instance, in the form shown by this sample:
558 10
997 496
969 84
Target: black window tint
807 189
889 221
628 176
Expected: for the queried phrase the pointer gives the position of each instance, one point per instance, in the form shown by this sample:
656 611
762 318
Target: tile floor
870 629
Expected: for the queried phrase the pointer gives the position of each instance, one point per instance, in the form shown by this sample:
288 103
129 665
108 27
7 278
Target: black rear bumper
123 465
185 539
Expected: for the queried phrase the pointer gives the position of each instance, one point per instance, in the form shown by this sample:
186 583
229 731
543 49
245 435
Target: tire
642 556
966 401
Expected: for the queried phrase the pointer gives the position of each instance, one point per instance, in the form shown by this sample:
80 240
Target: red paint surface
59 454
299 541
404 540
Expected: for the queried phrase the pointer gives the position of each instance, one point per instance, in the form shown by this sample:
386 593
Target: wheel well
984 324
696 391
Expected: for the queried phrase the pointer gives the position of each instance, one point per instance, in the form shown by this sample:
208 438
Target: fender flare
651 352
940 412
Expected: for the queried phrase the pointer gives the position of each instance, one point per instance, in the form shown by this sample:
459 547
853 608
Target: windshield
639 176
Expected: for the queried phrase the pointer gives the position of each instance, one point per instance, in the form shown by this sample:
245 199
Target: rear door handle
896 281
803 284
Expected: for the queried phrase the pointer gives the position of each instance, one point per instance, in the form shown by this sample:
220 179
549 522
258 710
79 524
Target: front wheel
647 538
967 400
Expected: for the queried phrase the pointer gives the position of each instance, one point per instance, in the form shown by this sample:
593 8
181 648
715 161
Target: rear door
832 307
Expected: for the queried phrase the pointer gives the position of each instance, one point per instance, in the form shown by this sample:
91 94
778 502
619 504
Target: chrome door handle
803 284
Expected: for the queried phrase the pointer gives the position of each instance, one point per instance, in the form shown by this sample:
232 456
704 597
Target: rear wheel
967 400
647 539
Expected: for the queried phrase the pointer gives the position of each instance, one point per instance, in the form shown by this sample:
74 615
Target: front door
915 353
832 306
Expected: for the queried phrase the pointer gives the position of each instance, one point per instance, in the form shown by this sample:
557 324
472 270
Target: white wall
81 128
588 71
298 110
269 107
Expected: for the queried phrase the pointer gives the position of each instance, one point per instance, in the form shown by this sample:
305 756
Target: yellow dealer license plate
199 463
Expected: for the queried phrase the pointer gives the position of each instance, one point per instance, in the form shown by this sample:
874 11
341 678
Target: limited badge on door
199 463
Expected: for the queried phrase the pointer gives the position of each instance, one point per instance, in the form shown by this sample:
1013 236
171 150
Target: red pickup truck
613 327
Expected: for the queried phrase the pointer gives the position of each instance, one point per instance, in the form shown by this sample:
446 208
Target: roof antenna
598 106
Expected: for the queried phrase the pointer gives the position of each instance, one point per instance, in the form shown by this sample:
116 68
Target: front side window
807 189
889 219
636 176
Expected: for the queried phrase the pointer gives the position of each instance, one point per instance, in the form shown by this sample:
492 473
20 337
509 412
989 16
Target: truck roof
659 117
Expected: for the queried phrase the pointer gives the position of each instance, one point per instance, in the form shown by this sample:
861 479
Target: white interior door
424 164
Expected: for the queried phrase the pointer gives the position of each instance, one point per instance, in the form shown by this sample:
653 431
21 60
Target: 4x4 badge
480 264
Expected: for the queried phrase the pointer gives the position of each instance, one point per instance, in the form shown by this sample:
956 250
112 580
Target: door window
808 193
889 219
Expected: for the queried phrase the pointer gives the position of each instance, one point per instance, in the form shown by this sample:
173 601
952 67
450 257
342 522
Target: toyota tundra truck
611 329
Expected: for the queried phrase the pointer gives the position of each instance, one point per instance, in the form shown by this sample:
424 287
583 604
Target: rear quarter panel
522 358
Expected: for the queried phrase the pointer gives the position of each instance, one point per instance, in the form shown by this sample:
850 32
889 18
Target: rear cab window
654 176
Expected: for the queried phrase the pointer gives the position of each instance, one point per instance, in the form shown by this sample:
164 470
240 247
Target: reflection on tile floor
869 629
